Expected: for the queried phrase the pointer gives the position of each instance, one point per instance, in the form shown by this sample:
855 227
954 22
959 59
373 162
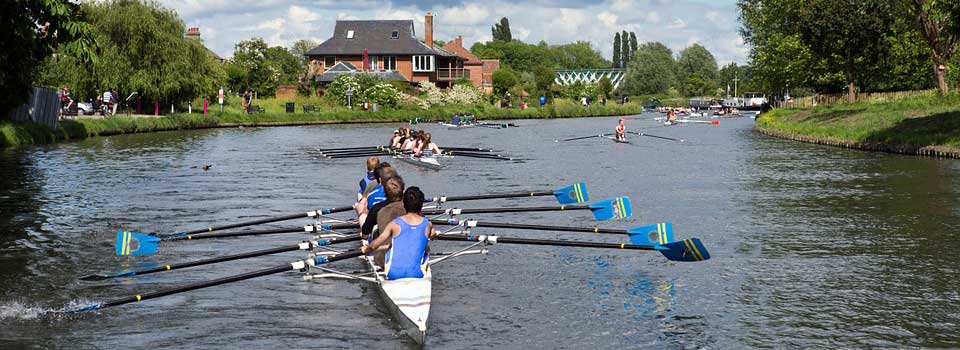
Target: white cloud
652 17
677 24
275 24
607 18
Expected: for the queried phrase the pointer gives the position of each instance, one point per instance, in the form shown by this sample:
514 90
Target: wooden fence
43 107
868 97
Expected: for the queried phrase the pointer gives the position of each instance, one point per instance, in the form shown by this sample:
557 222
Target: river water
812 247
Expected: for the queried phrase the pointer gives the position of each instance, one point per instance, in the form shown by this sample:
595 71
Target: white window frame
350 34
389 63
397 36
374 60
423 63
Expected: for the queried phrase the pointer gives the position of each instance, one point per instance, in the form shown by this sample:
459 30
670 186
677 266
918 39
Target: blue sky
677 24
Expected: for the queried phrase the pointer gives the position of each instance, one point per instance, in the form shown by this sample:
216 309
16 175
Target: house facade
391 50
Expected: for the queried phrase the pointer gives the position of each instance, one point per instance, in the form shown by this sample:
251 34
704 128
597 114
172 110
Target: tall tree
32 30
501 31
625 53
633 46
696 61
651 71
938 22
617 54
300 47
851 39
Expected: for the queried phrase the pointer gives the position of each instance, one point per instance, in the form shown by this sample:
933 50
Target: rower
372 163
404 136
672 116
376 194
428 148
394 138
382 213
621 128
408 237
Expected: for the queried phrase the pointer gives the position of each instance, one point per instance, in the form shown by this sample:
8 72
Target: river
812 246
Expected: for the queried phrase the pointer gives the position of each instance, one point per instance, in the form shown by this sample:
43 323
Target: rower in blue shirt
369 177
408 237
376 193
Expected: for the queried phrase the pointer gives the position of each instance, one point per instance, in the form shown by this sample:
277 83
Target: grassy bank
20 134
909 124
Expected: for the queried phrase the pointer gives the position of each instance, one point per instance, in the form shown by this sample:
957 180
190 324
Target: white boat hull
429 163
408 301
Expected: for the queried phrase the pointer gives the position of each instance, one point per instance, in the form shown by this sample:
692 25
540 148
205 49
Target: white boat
426 162
457 126
408 300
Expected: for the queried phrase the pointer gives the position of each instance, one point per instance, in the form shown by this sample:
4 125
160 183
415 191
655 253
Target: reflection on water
812 247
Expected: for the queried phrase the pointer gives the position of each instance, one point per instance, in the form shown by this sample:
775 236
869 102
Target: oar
340 153
660 233
654 136
618 208
308 214
348 148
302 246
576 193
137 244
580 138
357 155
476 155
686 250
474 149
711 122
294 266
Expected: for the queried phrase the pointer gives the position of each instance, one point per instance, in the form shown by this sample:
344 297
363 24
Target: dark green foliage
651 71
525 57
26 42
697 69
633 46
625 53
501 31
605 87
504 79
617 55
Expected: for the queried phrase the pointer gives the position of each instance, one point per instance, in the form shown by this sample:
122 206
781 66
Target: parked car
86 108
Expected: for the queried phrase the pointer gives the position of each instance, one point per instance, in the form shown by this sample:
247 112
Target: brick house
480 72
393 53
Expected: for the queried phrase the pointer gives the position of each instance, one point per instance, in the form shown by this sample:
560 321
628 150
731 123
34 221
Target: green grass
13 134
917 122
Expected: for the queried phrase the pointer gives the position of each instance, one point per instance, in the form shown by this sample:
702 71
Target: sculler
428 148
621 128
408 237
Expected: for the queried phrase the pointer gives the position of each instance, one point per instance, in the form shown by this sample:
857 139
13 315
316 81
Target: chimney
193 33
428 30
459 41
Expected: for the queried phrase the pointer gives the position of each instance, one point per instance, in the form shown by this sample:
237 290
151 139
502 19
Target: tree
604 87
504 79
32 31
142 48
633 46
938 22
617 54
696 60
625 53
544 76
651 71
501 31
300 48
284 65
578 55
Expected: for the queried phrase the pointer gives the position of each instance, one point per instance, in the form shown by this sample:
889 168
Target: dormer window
395 34
349 34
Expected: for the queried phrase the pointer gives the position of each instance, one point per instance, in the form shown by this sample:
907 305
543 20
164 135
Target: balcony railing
452 73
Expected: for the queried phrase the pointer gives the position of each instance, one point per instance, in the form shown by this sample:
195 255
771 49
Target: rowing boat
615 139
426 162
457 126
408 299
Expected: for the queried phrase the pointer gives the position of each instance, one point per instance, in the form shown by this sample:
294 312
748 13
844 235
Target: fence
868 97
42 108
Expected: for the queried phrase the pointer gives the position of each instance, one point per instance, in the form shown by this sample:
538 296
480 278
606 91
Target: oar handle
297 265
442 199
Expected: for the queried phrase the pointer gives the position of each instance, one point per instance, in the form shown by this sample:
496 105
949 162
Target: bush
382 93
337 89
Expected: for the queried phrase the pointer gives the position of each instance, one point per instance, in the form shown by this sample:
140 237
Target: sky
677 23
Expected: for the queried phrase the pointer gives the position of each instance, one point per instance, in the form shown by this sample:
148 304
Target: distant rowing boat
426 162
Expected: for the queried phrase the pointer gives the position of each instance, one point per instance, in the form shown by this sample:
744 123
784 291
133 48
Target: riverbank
925 125
21 134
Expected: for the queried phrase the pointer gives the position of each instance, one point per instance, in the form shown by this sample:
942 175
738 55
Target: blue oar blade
81 308
661 233
133 243
686 250
572 194
616 208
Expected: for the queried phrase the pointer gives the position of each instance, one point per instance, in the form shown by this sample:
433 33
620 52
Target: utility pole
735 80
